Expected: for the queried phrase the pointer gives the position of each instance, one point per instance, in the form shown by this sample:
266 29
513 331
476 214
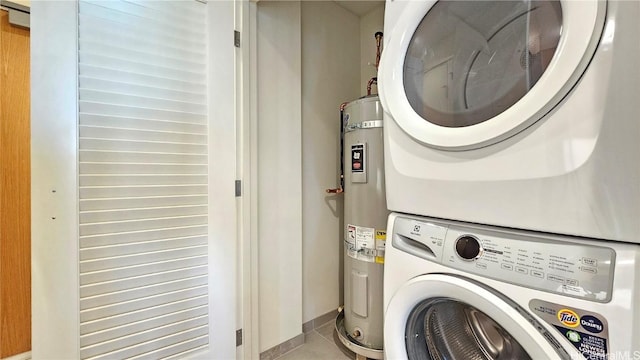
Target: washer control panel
570 266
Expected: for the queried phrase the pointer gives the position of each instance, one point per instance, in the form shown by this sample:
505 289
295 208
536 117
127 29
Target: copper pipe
373 80
378 37
340 189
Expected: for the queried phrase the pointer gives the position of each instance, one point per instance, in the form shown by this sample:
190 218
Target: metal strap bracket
364 125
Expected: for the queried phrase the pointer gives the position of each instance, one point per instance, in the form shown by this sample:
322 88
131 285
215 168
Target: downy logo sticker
591 324
568 318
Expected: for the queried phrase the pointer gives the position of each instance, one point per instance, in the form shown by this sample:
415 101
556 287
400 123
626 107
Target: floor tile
316 347
327 330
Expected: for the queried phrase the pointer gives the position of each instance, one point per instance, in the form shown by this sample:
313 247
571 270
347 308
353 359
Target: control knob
468 247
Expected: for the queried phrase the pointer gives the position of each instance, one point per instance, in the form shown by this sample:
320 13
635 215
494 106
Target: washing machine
522 114
455 290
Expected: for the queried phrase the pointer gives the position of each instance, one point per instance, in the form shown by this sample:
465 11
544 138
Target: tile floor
320 344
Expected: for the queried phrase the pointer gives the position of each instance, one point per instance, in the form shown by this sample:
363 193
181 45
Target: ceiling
360 7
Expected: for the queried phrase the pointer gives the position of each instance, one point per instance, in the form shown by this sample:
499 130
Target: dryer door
450 317
471 73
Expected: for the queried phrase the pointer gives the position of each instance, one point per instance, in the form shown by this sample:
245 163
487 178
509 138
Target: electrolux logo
568 318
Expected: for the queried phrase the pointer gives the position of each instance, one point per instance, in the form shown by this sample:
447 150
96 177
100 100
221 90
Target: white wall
308 62
279 171
370 23
330 76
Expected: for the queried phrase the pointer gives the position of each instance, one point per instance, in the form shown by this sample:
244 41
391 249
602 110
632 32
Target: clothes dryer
524 114
460 291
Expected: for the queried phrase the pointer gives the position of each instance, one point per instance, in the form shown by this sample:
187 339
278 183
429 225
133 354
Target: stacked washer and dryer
512 164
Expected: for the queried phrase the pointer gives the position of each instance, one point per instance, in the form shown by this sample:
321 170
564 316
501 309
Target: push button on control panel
538 274
572 282
555 278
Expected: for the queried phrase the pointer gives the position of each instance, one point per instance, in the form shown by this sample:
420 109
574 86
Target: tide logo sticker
568 318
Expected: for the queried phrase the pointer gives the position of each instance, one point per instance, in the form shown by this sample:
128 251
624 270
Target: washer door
471 73
450 317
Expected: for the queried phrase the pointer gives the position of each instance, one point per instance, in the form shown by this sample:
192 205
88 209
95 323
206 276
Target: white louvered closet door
149 133
143 178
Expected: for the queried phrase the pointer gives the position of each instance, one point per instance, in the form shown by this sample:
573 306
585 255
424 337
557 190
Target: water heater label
361 243
587 331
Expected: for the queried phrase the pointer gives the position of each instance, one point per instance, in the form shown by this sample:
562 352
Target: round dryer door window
469 61
465 74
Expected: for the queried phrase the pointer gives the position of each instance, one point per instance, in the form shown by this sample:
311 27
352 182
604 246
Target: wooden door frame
15 212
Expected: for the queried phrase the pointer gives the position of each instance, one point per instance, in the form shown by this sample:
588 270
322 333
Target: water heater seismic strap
364 125
369 251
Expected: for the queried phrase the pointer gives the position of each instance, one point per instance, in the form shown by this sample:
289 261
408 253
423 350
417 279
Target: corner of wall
370 23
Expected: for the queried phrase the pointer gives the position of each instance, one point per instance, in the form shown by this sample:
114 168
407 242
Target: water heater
365 219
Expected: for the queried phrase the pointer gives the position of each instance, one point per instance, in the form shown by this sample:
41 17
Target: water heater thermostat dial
468 247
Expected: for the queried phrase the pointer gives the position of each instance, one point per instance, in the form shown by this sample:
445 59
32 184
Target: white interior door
133 163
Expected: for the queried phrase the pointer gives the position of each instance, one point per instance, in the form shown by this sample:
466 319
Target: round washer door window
447 316
443 328
464 74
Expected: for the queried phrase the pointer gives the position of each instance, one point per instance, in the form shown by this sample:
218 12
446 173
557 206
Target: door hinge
238 337
236 38
18 13
238 188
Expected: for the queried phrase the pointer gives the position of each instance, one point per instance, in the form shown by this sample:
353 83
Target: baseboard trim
281 349
319 321
23 356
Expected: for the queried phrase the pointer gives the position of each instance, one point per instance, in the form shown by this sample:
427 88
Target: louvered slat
133 214
142 306
141 281
114 332
119 180
94 277
141 236
92 107
141 146
108 318
143 175
88 82
143 247
119 156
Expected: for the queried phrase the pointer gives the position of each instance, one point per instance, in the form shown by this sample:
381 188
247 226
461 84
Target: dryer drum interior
446 329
